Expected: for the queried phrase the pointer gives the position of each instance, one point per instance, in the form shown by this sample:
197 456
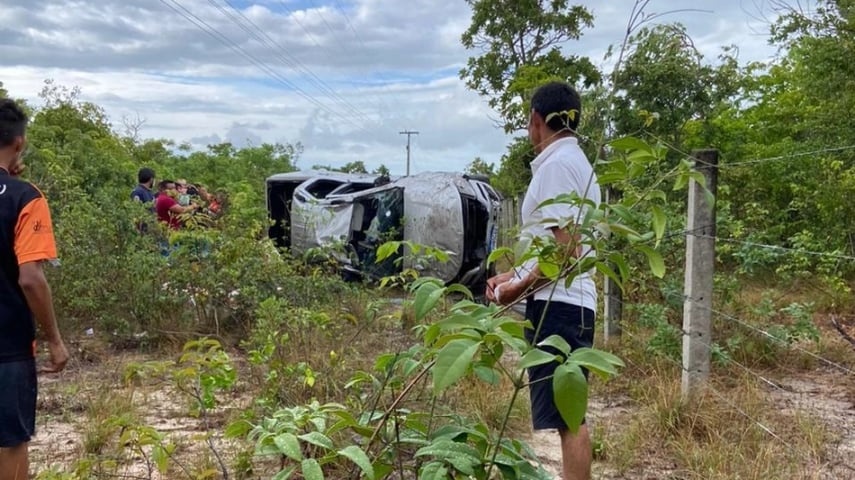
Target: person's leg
576 454
18 391
575 325
15 463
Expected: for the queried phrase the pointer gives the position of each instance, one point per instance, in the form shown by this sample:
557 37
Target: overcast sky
342 77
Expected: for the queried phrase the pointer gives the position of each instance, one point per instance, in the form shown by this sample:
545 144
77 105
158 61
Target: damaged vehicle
354 214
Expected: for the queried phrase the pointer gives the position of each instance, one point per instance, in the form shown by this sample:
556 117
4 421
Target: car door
377 218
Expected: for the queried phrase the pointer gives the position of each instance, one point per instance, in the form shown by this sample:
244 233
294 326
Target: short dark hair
145 175
559 98
13 122
161 185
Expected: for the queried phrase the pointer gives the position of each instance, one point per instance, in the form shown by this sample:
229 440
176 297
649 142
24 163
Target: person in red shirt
167 207
26 242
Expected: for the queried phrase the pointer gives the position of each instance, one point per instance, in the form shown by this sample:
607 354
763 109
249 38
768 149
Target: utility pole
408 133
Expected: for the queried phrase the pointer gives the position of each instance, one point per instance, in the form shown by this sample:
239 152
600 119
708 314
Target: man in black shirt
26 241
142 192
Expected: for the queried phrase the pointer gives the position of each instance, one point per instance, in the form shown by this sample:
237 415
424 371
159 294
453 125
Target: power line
283 55
314 40
213 32
358 36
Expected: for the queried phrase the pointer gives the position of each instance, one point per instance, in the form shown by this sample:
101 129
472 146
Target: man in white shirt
560 168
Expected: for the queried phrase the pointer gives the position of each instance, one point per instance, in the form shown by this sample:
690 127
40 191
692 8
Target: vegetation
230 359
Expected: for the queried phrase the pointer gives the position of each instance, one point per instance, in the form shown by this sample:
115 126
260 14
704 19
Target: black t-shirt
26 235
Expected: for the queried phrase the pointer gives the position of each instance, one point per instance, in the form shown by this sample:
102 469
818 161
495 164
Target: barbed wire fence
824 392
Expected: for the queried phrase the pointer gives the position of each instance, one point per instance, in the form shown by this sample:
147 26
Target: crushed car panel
449 211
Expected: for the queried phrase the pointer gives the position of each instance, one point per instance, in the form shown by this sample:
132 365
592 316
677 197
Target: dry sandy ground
828 395
65 400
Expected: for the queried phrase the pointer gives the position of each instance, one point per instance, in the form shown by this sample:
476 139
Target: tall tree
480 167
798 123
520 44
357 166
665 84
382 170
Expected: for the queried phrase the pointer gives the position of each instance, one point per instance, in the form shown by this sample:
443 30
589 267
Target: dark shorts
574 324
18 390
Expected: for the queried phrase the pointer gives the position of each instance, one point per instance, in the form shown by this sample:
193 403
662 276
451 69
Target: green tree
665 84
797 115
353 167
520 47
515 173
480 167
382 170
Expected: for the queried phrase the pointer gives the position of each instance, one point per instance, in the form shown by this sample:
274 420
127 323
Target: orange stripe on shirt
34 240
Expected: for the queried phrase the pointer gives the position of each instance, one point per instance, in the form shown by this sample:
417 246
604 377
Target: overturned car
355 214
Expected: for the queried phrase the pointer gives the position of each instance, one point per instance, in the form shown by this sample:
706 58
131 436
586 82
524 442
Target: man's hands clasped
503 290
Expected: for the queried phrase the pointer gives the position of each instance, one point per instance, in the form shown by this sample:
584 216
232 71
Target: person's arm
555 180
495 281
34 244
509 291
203 194
39 299
179 209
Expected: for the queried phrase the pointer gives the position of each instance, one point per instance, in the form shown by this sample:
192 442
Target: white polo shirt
560 168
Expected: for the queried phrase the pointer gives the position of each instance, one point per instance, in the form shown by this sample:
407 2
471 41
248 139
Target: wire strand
776 339
776 247
789 156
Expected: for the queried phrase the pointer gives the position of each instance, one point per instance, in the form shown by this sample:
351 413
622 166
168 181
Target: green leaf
535 357
624 230
657 264
433 471
557 343
487 374
457 288
452 362
288 445
607 271
461 456
160 458
570 392
285 474
312 469
619 261
387 250
318 439
641 157
357 456
629 143
550 270
427 296
600 362
238 429
499 253
522 246
659 222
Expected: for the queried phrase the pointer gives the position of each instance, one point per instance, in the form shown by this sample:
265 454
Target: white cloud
391 66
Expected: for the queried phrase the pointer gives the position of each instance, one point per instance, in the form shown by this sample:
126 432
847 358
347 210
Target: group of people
26 242
174 199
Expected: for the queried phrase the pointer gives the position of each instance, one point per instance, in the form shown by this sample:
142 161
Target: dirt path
68 423
829 396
